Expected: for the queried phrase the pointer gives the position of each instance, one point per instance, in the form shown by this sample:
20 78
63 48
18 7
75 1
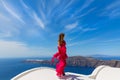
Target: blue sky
30 28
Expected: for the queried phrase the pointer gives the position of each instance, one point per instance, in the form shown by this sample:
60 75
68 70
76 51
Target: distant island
80 61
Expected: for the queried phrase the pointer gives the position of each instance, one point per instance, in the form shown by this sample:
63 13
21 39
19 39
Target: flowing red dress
61 56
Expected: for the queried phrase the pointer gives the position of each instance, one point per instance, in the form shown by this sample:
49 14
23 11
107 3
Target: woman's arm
56 55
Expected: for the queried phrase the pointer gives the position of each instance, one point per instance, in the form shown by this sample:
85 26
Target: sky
30 28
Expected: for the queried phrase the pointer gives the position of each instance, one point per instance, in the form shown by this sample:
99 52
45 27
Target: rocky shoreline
81 61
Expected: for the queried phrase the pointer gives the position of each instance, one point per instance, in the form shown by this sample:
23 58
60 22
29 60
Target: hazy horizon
30 28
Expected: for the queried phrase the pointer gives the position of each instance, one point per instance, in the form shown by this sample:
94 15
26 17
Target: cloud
113 5
25 6
68 4
12 12
43 4
114 13
112 10
63 13
34 15
6 34
34 33
20 49
110 40
86 13
71 26
57 1
83 29
80 30
43 16
8 28
85 5
88 29
2 17
12 49
81 42
73 44
39 21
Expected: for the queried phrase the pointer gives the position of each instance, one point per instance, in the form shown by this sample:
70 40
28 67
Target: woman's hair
61 38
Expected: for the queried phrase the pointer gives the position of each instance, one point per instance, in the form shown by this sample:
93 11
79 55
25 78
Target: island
80 61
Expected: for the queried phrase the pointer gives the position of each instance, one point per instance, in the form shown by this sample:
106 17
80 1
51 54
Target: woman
61 56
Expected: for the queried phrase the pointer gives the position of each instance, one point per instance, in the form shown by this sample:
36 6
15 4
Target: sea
10 67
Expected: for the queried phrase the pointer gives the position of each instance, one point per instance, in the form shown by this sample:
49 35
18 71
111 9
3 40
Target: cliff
81 61
91 62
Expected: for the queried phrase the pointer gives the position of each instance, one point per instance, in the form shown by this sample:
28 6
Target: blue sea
10 67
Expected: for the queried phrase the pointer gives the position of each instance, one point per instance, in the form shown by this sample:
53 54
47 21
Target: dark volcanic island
80 61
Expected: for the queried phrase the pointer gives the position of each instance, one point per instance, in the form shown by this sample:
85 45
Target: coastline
80 61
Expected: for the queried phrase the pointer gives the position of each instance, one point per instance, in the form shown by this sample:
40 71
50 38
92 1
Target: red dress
61 56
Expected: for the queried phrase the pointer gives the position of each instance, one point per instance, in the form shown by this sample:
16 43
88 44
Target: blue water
13 66
108 58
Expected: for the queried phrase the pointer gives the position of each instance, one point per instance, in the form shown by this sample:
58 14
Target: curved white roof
45 73
37 74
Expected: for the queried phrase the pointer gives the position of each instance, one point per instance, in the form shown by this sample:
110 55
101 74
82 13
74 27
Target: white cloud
43 16
6 35
73 44
63 13
113 5
11 10
88 29
112 10
85 5
8 28
57 1
3 18
19 49
81 42
68 4
84 14
43 4
110 40
11 28
34 16
25 6
114 13
8 32
34 33
71 26
11 49
39 21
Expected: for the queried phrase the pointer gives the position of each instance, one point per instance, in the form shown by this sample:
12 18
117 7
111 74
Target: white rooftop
45 73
